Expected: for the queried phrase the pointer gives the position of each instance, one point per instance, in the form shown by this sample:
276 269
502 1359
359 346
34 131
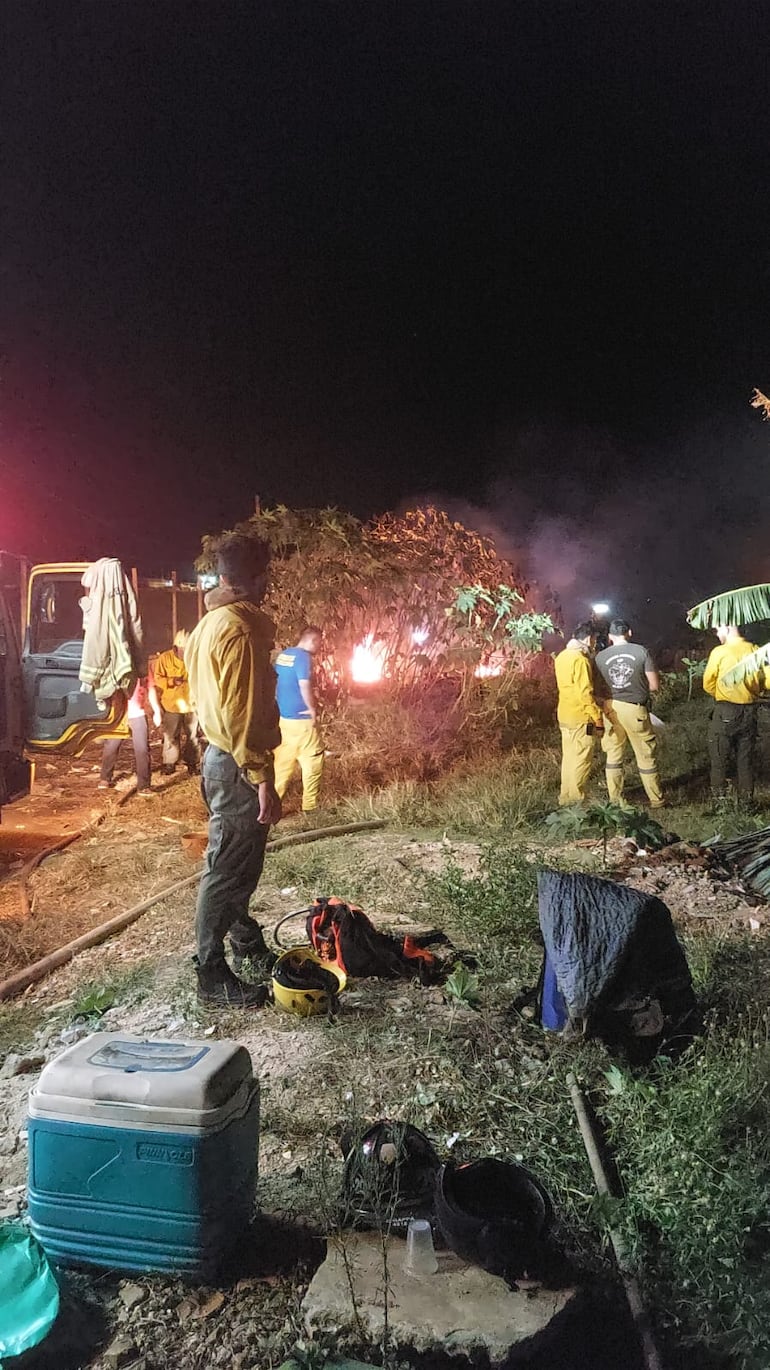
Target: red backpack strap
417 953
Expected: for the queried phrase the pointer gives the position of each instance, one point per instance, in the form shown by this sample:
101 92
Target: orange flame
367 664
493 666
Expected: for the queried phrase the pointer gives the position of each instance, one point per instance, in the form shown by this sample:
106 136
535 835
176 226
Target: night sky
513 255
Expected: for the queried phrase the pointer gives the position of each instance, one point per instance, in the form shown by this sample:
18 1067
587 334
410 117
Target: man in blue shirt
300 739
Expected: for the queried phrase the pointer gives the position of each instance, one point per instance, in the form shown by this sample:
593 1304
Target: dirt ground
312 1074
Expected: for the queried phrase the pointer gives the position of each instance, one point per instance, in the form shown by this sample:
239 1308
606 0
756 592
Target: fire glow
367 665
493 666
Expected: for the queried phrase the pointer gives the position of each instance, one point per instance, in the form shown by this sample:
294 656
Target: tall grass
691 1139
496 793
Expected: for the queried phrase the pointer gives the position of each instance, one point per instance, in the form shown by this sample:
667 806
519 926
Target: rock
131 1295
28 1064
210 1305
461 1309
120 1351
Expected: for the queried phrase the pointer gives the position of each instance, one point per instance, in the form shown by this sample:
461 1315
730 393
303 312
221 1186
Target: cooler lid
198 1078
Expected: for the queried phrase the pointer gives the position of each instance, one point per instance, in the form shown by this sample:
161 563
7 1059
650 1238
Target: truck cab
14 767
43 707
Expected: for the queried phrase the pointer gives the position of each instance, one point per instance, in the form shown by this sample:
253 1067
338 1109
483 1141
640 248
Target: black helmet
390 1176
494 1214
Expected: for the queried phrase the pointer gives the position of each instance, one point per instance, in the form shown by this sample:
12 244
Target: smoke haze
650 531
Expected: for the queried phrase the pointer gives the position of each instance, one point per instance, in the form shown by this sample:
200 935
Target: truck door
14 770
59 715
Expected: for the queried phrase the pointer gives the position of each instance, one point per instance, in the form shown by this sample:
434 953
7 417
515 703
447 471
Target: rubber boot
221 988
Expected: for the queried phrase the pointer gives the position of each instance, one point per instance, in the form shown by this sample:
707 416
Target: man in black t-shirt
629 677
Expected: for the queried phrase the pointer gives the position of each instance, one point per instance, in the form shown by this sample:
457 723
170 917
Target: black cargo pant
733 735
232 864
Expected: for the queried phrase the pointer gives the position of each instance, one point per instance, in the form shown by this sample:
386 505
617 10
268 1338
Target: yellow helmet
304 984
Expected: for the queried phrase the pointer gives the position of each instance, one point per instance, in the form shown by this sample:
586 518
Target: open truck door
14 768
59 716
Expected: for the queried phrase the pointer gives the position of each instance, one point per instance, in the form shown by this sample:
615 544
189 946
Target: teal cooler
143 1155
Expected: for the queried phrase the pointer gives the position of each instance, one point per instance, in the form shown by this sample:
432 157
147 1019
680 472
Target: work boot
221 988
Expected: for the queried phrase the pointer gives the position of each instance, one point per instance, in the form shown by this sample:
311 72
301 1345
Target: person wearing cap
178 722
580 717
232 690
733 722
629 679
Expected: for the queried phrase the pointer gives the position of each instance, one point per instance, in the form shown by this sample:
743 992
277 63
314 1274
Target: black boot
220 987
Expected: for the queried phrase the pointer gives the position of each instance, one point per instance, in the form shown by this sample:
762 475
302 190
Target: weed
693 1146
606 818
462 987
93 1001
131 985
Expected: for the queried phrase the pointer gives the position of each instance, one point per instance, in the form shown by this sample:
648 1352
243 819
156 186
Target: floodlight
600 609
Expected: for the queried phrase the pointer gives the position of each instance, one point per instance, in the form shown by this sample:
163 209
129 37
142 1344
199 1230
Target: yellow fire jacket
722 660
232 684
575 682
171 682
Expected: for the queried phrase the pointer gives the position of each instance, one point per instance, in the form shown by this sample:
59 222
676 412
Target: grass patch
18 1025
692 1142
127 987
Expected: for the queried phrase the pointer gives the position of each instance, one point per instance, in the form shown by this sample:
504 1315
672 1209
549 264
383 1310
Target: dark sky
513 254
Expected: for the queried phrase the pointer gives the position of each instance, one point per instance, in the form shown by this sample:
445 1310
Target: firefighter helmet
390 1176
304 984
493 1213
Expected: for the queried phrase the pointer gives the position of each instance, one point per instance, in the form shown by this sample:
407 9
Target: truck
42 706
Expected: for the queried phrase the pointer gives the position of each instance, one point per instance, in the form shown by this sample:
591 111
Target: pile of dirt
696 888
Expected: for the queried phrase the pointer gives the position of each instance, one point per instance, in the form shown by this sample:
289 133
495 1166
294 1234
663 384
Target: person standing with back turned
733 724
300 738
232 687
630 677
579 715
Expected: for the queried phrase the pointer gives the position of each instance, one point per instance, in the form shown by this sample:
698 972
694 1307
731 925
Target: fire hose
22 979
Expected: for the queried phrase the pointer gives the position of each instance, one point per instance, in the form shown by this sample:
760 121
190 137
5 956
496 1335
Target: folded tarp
613 949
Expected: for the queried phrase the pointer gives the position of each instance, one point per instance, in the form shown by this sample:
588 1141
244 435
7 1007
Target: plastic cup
420 1259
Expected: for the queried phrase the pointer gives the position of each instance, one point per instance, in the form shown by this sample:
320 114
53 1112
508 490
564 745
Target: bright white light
600 609
207 582
494 665
420 637
367 664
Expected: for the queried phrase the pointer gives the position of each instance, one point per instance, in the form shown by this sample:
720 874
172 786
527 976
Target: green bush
692 1142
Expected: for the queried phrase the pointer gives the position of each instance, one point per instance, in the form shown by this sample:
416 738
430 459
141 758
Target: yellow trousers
577 749
300 742
630 723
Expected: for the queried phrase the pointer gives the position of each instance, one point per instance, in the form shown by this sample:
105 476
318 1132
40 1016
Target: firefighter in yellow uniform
733 724
300 739
629 678
179 724
580 717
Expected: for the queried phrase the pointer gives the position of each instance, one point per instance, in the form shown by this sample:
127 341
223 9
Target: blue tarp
607 942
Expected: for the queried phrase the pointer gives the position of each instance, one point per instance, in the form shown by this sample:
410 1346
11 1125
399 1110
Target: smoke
651 531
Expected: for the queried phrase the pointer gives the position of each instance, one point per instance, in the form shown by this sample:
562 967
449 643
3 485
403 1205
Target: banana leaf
749 855
749 666
751 604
